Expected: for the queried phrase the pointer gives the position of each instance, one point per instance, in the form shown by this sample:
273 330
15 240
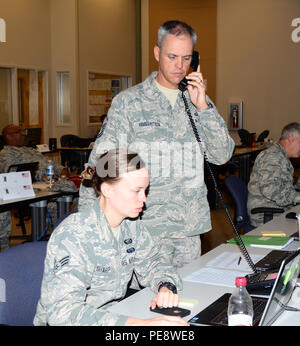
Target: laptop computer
28 166
265 311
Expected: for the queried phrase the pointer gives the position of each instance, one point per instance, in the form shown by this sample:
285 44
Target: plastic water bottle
50 173
240 306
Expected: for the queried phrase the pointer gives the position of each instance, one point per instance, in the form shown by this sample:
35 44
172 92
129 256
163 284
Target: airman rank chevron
59 264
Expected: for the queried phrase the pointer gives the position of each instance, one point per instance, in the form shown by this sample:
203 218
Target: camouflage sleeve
66 280
150 266
5 161
274 179
214 135
113 134
5 229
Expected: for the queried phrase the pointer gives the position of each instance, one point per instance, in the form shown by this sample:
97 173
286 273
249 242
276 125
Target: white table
138 304
38 204
279 223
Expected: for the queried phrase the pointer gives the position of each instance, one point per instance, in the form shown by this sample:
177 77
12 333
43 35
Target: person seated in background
92 254
271 182
15 152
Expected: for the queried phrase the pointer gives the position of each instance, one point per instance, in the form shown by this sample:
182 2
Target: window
63 98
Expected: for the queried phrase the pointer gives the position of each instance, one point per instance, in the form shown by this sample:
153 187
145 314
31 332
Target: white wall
106 45
258 63
64 57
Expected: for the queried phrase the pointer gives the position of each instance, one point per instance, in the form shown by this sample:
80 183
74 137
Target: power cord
290 308
240 241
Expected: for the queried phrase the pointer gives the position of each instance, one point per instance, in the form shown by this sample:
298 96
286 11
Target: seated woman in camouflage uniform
92 254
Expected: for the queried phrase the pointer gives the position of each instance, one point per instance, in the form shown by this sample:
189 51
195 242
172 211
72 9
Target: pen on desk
239 261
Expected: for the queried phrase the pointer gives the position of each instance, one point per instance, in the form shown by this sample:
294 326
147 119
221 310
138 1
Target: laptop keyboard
251 279
259 305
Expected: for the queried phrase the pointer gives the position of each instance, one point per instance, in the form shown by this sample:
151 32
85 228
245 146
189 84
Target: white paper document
15 185
233 260
215 276
223 270
42 148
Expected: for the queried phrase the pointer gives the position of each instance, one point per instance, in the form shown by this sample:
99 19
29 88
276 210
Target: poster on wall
235 110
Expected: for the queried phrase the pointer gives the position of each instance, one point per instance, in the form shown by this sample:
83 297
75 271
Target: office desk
244 156
137 305
279 223
38 205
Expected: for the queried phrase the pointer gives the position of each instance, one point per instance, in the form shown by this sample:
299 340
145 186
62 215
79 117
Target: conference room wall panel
27 33
258 62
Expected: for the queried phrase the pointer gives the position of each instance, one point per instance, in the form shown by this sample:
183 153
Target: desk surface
75 148
248 150
19 202
138 304
279 223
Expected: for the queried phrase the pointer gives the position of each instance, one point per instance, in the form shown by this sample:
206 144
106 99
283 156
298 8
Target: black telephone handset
194 65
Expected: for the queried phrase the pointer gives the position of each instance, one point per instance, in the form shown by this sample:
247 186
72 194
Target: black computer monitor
33 137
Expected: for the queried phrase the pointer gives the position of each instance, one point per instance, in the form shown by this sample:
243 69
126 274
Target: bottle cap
241 281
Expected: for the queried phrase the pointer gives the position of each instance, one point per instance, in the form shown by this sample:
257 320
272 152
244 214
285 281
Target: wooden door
30 93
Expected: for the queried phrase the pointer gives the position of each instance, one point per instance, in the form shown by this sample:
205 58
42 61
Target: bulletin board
102 88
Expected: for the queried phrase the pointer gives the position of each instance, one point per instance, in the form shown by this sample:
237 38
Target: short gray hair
177 28
290 129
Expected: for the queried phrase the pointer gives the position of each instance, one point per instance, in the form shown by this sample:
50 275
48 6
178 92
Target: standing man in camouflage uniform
271 180
150 118
92 254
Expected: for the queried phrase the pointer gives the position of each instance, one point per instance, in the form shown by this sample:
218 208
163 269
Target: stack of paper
223 269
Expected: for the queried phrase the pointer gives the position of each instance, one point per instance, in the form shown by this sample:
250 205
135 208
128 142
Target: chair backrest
263 135
239 193
246 137
21 271
1 142
33 137
75 141
69 140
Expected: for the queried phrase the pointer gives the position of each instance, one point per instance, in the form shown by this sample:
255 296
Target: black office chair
33 137
1 142
70 158
75 141
239 192
246 137
262 136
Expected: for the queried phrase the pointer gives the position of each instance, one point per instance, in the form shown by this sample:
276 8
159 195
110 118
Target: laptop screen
28 166
283 289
